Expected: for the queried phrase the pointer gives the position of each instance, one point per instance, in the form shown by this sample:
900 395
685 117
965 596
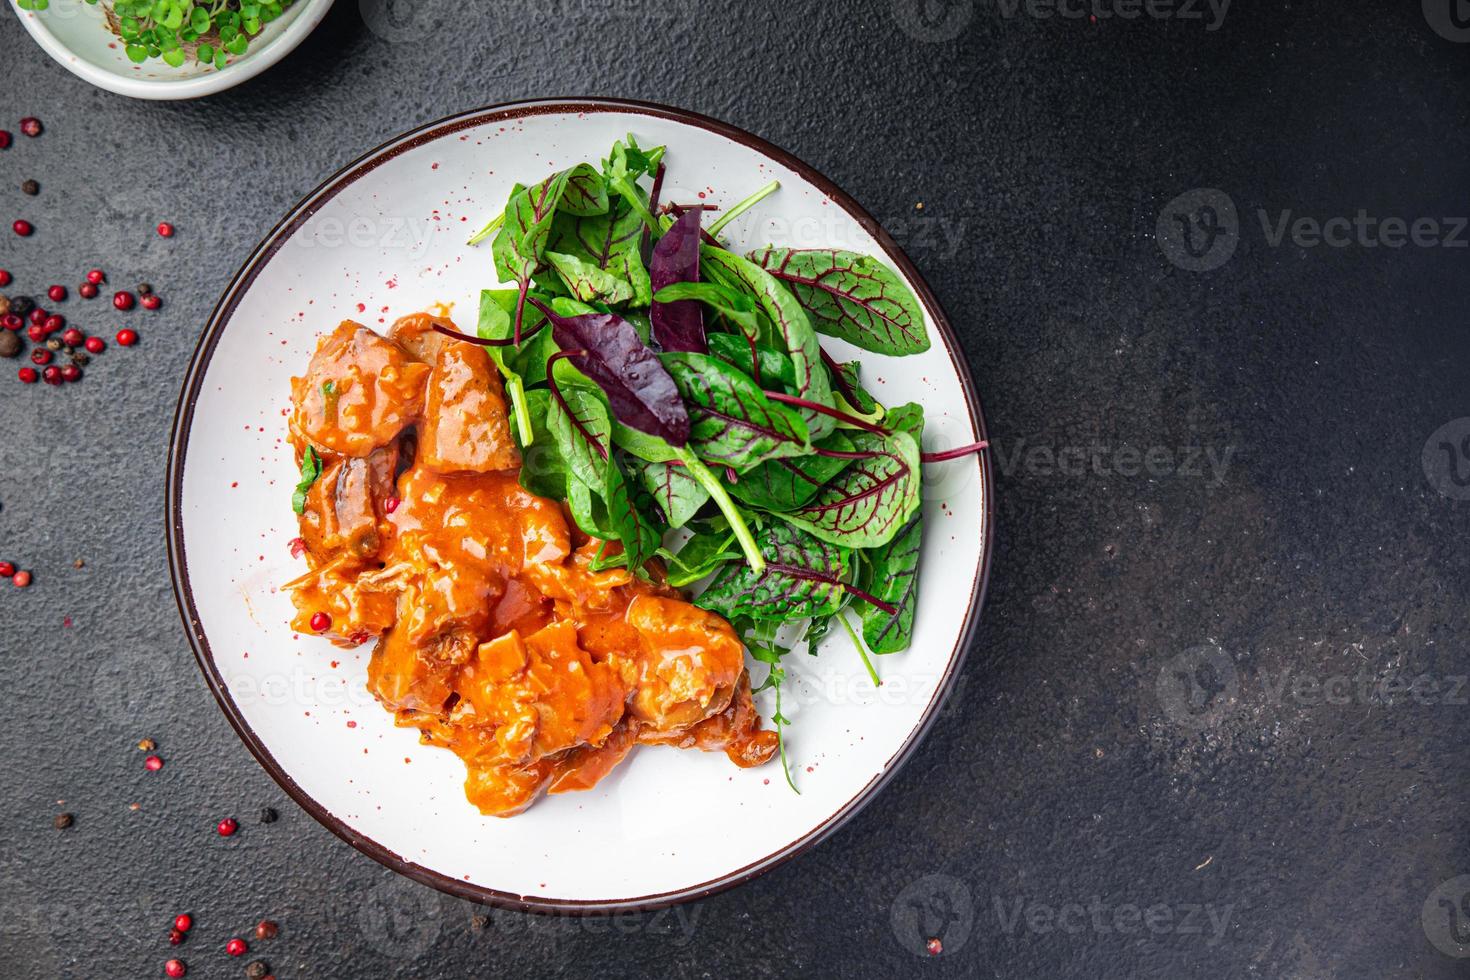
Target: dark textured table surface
1214 720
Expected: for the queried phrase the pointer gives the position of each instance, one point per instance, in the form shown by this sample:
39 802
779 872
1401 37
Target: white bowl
386 236
75 34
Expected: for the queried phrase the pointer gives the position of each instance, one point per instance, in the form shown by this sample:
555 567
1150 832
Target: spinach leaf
586 191
892 574
626 163
795 330
543 467
738 308
786 484
582 429
629 523
608 241
311 468
701 555
731 420
867 503
607 349
851 296
587 281
775 367
678 494
804 576
678 323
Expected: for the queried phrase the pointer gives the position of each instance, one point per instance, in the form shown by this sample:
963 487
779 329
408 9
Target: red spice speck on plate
320 622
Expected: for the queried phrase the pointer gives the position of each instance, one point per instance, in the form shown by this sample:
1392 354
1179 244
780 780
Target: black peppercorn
81 360
30 187
257 970
9 343
62 821
268 815
144 288
21 305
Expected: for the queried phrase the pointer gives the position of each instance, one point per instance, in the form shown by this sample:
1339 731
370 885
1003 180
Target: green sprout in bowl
174 30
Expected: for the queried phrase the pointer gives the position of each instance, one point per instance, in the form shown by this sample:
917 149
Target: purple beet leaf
678 326
607 349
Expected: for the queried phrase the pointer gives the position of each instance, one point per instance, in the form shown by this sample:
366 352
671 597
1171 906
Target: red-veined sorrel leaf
638 388
579 422
678 494
866 504
851 296
609 241
731 420
786 484
893 576
677 326
795 330
586 191
521 243
804 576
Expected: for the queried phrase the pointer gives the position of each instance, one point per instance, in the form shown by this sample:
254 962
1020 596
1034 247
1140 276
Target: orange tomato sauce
494 635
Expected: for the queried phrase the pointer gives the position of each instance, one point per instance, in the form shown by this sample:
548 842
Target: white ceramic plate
75 34
386 237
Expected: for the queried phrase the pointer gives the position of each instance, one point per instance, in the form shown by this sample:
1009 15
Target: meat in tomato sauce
495 636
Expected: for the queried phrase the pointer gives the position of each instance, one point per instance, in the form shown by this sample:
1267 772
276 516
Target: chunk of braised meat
345 507
466 427
359 392
736 731
415 333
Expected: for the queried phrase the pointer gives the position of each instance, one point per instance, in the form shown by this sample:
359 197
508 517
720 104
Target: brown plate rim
184 415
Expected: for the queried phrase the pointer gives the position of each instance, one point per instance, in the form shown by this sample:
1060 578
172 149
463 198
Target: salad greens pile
209 31
661 382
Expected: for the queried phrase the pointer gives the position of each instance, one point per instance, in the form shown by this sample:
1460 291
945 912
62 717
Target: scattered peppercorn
165 229
151 301
54 344
236 947
22 305
153 763
122 299
320 621
87 290
184 922
4 139
227 827
78 564
51 375
31 126
147 744
63 821
36 332
41 356
257 970
54 322
175 968
478 923
4 305
71 372
268 815
144 288
11 322
73 337
28 376
30 188
38 316
175 937
56 293
267 930
127 337
22 227
9 343
21 579
96 277
390 505
81 360
94 345
7 569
